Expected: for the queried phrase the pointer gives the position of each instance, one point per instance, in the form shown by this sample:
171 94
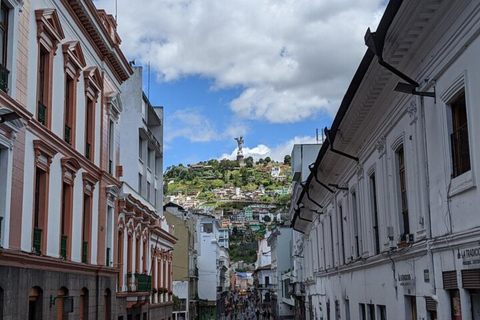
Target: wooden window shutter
431 305
450 280
471 279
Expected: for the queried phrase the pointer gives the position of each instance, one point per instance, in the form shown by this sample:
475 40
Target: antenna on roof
116 5
317 134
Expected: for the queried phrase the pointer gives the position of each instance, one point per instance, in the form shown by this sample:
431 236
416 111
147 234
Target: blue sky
271 71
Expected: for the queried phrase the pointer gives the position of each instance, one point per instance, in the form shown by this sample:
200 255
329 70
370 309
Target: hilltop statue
240 144
240 151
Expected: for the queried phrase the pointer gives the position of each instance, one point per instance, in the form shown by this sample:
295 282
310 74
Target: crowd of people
246 307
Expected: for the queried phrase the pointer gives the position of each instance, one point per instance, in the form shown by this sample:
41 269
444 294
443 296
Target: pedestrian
257 312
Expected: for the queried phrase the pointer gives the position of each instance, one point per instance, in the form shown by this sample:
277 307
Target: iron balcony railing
4 72
142 282
87 151
110 163
85 251
68 131
42 110
63 246
108 257
37 240
460 151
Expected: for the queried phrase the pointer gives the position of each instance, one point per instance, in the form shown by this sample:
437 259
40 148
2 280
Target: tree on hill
287 159
249 162
268 160
267 219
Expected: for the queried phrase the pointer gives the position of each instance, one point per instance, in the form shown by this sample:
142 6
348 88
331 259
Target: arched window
60 303
83 304
107 304
35 302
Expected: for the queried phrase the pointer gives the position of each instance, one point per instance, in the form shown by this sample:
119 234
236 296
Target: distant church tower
240 159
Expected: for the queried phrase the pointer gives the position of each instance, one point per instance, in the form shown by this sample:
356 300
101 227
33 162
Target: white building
282 303
213 265
393 230
145 238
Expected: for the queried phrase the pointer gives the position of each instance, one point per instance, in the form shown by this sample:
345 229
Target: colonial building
59 177
185 271
388 212
145 239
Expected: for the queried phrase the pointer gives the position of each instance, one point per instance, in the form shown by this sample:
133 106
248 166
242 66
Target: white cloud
192 125
276 153
294 58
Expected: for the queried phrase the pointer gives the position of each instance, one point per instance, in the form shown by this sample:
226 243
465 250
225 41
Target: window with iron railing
459 137
108 258
402 184
37 240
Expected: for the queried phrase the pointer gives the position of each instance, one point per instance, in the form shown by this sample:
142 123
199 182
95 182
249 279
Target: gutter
387 19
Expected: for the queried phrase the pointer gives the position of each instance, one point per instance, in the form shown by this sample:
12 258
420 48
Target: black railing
68 131
108 258
110 163
63 246
42 110
85 251
142 282
87 151
37 240
4 72
460 151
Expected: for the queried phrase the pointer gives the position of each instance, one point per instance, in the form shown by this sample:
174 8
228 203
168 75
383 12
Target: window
371 311
150 155
74 62
50 33
332 244
43 90
3 47
357 231
39 211
455 304
459 136
140 178
405 225
66 219
148 190
44 155
140 148
111 146
109 251
89 129
267 281
363 312
376 235
382 312
342 236
86 223
69 109
70 166
92 89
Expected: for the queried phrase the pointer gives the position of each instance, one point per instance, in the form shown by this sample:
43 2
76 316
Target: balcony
110 166
63 247
139 282
68 131
85 252
37 240
4 72
42 110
